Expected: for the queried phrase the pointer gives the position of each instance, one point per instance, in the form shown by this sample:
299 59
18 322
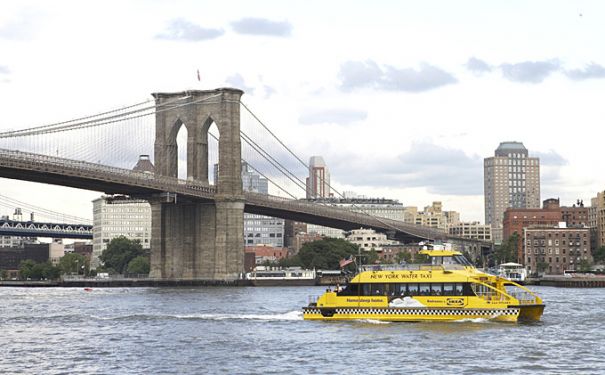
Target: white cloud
262 26
368 74
529 71
181 29
591 70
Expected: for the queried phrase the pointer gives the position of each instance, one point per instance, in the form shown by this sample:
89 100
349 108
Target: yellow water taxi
449 288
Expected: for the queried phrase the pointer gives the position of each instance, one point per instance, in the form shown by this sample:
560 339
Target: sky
402 99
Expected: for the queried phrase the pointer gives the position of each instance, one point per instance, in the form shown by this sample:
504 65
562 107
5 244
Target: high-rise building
115 216
259 229
511 179
252 181
318 182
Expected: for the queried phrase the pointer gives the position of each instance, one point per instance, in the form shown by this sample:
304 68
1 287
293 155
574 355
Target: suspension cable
260 173
272 163
77 119
80 125
305 164
259 148
13 203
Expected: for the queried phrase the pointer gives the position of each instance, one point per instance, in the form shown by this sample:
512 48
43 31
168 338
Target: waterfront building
11 257
118 215
511 179
597 218
16 241
390 252
318 182
556 249
291 229
80 247
266 253
56 250
115 216
369 239
263 230
379 207
13 241
515 220
302 238
432 216
473 230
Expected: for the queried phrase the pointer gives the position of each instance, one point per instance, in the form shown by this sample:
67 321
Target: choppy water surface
261 331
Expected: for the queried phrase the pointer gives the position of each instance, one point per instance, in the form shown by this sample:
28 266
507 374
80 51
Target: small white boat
513 271
282 277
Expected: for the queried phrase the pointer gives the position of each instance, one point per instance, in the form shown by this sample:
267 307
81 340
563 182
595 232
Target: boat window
436 289
459 288
460 259
448 289
378 289
390 289
400 290
349 290
413 289
425 289
367 290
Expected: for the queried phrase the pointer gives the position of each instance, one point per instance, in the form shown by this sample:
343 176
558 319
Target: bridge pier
197 239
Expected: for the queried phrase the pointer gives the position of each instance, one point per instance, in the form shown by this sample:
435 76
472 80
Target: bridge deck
111 180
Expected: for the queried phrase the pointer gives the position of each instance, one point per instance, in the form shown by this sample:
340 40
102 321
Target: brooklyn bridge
197 223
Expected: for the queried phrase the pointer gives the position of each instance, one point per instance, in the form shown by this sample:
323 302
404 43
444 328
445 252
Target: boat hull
419 314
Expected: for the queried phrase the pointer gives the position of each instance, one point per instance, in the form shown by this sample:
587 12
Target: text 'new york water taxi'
450 288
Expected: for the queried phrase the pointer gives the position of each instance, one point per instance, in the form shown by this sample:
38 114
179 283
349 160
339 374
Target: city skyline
409 118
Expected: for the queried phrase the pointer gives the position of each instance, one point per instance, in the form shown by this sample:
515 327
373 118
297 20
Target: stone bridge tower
199 240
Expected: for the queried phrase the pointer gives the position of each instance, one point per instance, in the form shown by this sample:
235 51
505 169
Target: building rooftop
316 161
512 146
144 165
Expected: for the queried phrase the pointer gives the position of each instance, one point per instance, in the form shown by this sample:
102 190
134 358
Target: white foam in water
475 320
291 315
372 321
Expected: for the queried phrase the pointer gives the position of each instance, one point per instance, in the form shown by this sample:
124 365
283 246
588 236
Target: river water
261 331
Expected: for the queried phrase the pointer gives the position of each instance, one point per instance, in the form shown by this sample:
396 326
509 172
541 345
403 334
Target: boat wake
291 315
475 320
372 321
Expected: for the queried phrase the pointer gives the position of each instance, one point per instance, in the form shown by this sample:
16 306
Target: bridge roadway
110 180
49 230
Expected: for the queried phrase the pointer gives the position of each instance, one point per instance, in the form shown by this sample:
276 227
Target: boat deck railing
412 267
492 296
524 297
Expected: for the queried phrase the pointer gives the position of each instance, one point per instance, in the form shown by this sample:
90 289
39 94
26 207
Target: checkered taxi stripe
418 311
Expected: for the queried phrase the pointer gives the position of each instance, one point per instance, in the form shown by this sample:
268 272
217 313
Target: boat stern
530 313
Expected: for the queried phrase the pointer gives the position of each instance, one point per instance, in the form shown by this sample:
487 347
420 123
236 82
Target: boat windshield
455 259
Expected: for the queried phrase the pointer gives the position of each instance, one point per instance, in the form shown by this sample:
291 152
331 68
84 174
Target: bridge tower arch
194 239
